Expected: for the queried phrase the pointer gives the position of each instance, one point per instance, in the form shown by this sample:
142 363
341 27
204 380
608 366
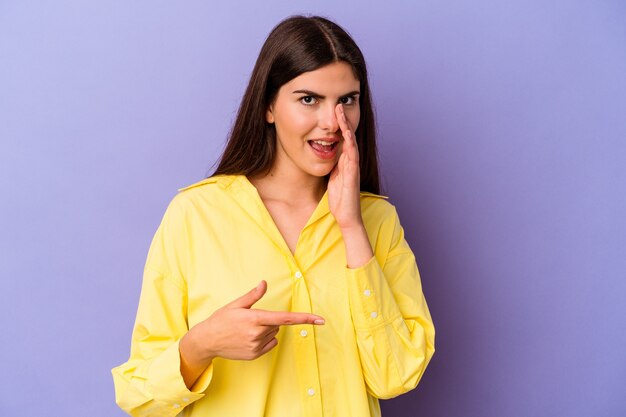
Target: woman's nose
328 119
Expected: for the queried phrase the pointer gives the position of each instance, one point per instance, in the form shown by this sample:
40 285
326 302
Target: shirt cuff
371 301
166 383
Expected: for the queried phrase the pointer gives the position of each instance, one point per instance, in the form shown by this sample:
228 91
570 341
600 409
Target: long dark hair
296 45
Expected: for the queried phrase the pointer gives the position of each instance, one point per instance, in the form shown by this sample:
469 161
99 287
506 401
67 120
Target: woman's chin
323 170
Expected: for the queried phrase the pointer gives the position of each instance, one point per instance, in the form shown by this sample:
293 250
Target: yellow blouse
215 243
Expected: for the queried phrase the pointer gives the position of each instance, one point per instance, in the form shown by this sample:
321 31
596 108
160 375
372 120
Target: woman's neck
277 186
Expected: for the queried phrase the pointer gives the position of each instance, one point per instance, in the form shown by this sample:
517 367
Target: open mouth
322 146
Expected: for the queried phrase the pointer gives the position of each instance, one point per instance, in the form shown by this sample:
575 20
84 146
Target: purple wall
503 142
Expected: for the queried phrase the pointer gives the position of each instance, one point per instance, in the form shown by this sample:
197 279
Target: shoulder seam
223 180
210 180
368 194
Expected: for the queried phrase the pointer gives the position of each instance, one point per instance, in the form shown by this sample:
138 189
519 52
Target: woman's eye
308 100
347 100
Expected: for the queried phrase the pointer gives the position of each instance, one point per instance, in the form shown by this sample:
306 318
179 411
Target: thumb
248 299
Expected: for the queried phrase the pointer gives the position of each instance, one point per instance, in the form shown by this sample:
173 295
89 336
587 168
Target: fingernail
318 321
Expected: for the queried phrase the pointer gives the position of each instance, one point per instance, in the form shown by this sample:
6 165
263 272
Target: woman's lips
324 148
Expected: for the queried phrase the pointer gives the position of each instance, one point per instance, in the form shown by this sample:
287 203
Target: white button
298 274
303 333
185 399
310 391
367 293
176 405
374 314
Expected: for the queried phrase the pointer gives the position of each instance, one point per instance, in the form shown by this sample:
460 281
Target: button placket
304 344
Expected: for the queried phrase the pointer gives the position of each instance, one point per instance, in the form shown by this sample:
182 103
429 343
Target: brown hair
296 45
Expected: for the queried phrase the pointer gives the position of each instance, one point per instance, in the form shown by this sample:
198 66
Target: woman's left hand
344 199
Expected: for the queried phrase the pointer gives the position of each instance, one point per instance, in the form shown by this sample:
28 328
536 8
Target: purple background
503 145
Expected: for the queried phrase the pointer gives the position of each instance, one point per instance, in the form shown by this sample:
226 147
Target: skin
291 191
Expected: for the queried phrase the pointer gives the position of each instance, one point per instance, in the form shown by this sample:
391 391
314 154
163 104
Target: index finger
346 131
344 125
281 318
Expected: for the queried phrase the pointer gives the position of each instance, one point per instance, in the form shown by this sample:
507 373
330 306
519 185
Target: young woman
282 285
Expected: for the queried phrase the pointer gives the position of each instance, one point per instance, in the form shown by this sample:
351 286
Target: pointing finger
282 318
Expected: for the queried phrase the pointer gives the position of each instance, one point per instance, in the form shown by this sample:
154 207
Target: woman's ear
269 115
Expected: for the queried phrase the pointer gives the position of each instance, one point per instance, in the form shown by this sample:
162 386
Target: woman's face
309 140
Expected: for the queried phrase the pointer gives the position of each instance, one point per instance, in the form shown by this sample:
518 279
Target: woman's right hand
235 331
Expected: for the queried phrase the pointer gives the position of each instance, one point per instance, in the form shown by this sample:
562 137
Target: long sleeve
150 382
394 331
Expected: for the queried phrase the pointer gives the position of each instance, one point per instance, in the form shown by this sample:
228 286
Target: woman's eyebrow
314 94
